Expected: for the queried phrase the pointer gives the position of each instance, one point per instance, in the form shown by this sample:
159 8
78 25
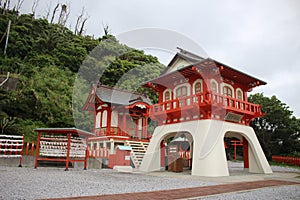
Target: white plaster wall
209 158
114 119
104 118
98 120
178 63
140 124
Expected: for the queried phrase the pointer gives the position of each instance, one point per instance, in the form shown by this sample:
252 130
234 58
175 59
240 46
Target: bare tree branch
67 15
6 2
8 5
106 29
48 10
62 14
78 21
34 6
54 11
82 25
19 5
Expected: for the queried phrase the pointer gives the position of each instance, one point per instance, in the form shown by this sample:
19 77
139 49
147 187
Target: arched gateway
209 157
208 100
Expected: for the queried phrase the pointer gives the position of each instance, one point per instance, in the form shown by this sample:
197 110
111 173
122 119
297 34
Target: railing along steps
138 151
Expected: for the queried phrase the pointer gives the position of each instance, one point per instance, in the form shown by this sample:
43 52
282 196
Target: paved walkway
191 192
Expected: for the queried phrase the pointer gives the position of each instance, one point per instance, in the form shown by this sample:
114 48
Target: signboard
233 117
173 149
127 157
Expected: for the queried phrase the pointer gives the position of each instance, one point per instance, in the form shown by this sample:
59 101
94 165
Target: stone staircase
138 151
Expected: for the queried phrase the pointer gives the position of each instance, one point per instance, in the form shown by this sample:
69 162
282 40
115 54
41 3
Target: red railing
178 103
9 149
112 131
29 148
233 104
204 99
286 160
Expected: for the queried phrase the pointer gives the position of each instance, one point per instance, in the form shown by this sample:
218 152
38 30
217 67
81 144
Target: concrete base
92 163
209 157
126 169
27 161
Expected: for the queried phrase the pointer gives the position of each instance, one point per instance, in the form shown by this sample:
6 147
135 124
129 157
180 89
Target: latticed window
198 87
214 87
227 91
239 95
167 95
167 98
181 91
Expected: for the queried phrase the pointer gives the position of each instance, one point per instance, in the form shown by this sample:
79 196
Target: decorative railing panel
211 101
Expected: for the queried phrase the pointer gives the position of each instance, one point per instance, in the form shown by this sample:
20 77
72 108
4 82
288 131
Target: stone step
138 151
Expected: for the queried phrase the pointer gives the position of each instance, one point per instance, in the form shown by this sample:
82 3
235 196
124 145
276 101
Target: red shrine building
200 102
120 119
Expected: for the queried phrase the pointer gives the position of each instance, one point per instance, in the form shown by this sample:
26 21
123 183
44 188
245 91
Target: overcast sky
259 37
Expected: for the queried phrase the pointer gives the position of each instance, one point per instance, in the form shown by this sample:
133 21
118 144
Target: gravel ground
274 193
28 183
46 182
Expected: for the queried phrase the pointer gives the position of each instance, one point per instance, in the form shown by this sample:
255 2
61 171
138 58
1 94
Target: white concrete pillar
112 147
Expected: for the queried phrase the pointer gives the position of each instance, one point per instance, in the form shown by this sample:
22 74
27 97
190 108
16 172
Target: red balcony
119 133
114 131
204 106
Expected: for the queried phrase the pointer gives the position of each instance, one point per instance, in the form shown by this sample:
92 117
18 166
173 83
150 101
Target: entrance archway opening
237 153
176 152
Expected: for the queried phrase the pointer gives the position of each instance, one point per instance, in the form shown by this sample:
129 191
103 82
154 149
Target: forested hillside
45 58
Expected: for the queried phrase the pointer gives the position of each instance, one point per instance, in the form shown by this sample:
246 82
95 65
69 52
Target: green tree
46 61
278 131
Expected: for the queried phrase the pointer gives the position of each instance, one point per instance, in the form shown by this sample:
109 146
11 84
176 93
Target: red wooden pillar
119 124
32 148
11 149
124 122
108 120
144 127
37 150
234 144
86 155
68 151
136 130
101 121
27 149
95 119
246 152
160 96
162 153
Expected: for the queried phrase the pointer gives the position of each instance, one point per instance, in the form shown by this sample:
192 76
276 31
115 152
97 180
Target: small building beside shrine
120 119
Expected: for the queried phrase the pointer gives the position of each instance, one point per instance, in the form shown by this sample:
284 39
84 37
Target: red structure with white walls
120 119
200 100
204 100
193 88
